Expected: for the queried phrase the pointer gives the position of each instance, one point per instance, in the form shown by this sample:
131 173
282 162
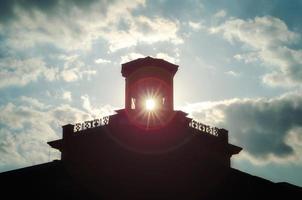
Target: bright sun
150 104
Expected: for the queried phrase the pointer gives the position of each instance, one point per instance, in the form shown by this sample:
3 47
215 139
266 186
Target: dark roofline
129 67
28 169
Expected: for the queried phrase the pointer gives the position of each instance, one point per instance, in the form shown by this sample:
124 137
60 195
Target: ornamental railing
204 128
91 124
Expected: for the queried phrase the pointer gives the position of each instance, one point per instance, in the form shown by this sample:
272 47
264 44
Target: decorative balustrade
91 124
204 128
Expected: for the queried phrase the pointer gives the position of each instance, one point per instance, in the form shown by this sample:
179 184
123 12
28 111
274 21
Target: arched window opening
133 101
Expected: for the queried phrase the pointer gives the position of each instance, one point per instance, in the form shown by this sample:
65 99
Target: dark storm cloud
261 126
7 7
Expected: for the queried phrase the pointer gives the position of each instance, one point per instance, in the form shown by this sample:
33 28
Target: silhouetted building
145 151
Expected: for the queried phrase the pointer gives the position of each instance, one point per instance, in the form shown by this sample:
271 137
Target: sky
240 68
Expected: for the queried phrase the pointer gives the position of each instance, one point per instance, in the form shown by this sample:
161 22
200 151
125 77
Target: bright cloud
259 33
232 73
166 57
101 61
196 25
74 68
131 56
94 110
21 72
27 127
67 96
75 28
142 30
269 39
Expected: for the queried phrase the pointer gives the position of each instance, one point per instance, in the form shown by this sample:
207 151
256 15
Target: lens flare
150 104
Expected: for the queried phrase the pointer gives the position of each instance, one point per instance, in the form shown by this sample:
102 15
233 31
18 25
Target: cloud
131 56
259 33
27 124
67 96
142 30
266 128
86 103
269 40
248 57
24 131
220 14
288 66
96 111
64 24
8 7
51 41
166 57
20 72
71 26
34 103
232 73
74 69
101 61
65 114
196 25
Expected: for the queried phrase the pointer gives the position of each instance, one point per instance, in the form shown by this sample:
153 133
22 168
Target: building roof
53 180
129 67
